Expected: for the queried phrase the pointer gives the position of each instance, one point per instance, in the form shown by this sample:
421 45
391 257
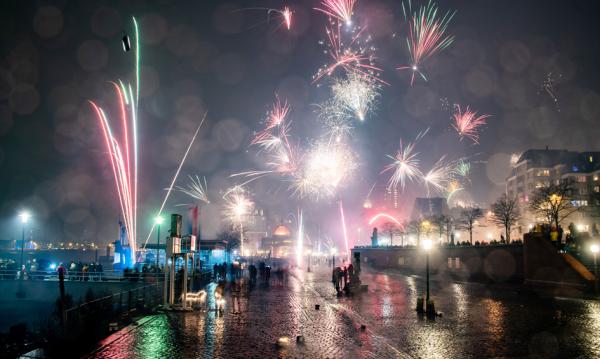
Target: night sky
214 56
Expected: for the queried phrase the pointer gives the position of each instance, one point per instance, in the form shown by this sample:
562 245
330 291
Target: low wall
559 272
496 263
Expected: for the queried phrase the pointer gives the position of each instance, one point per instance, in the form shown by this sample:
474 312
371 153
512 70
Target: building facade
541 168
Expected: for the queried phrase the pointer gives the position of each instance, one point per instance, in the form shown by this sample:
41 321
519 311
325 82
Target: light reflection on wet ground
478 322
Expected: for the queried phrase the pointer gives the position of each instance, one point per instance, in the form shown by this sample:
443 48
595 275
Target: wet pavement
478 322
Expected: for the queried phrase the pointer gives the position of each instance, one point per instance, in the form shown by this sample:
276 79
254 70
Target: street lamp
595 248
427 244
24 216
308 253
158 220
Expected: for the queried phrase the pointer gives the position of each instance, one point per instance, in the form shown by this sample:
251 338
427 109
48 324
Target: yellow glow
427 244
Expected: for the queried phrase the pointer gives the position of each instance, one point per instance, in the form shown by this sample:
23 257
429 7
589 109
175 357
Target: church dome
281 231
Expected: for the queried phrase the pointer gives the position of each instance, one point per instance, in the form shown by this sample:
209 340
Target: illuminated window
581 179
579 203
596 188
595 177
591 159
543 173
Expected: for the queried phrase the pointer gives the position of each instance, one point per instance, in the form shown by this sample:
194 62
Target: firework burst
196 189
439 176
466 123
405 164
339 9
356 94
323 170
336 121
353 56
238 205
426 35
463 168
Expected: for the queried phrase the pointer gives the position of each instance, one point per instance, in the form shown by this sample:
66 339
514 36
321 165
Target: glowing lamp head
414 67
333 251
427 244
595 248
159 220
24 216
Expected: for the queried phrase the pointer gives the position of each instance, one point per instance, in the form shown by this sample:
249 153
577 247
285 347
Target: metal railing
110 276
118 307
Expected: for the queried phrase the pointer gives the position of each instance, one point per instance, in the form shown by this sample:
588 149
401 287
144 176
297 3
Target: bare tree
443 225
416 228
390 229
469 217
506 213
554 202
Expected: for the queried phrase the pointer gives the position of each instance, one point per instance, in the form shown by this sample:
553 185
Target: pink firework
287 17
426 35
466 123
339 9
124 170
356 56
279 156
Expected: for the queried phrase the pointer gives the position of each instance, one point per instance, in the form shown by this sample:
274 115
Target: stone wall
496 263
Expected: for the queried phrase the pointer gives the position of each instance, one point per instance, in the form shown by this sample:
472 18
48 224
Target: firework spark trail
352 57
119 152
405 165
196 189
286 14
466 123
121 172
344 229
356 94
237 207
287 17
170 188
339 9
439 176
549 86
426 35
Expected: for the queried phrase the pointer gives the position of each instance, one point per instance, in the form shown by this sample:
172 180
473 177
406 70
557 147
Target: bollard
300 339
419 307
317 306
363 327
430 308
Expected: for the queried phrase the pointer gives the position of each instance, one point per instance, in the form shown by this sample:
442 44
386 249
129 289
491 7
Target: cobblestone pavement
478 322
266 316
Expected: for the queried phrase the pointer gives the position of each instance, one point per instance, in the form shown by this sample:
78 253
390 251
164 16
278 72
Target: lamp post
308 253
595 248
24 216
427 246
158 220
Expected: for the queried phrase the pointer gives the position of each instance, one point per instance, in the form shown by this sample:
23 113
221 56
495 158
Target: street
477 322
